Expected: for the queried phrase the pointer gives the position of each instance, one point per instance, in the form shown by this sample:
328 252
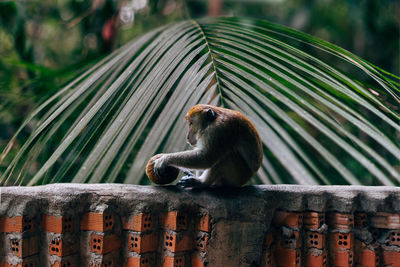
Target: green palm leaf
319 124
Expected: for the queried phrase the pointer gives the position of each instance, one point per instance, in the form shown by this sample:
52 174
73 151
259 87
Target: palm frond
319 123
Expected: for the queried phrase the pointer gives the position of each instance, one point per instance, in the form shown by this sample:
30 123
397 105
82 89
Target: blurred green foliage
44 44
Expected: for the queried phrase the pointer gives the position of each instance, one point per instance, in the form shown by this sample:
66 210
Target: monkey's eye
190 123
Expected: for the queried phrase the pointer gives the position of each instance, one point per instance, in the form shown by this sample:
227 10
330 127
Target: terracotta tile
61 248
104 244
391 258
174 220
204 223
342 258
290 242
101 222
105 263
313 220
341 221
197 261
393 238
145 260
316 260
64 263
364 256
288 219
360 220
287 257
17 224
142 243
315 240
56 224
140 222
201 241
386 220
24 247
177 242
341 240
174 261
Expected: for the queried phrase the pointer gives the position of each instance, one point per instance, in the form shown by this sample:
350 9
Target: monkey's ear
210 115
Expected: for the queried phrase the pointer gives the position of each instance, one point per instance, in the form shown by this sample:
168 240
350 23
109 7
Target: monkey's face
199 118
194 127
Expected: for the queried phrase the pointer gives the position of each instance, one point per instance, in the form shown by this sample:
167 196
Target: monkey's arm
191 159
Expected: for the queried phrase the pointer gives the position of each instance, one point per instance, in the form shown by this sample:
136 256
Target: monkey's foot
188 173
189 181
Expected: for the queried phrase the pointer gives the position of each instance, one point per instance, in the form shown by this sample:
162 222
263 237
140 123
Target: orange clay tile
17 224
64 263
174 261
100 222
313 220
145 260
140 222
315 240
197 261
287 257
204 223
386 220
341 258
27 262
176 243
292 242
104 244
360 219
320 260
142 243
56 224
174 220
201 241
365 257
341 220
60 248
288 219
24 247
106 263
393 238
391 258
341 240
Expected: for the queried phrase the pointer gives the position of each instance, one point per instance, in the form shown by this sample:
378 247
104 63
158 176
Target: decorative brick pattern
17 224
177 242
174 261
100 222
58 225
142 243
167 226
104 244
140 223
345 240
145 260
24 247
175 220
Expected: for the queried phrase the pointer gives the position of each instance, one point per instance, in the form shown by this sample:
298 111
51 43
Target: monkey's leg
192 181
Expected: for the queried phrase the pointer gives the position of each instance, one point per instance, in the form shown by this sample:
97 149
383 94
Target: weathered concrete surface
240 217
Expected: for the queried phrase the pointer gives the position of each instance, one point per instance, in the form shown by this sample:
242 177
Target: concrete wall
126 225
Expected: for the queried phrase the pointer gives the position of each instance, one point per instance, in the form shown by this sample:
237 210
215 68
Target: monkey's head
199 118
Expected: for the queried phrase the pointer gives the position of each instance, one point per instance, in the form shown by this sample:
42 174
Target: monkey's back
243 138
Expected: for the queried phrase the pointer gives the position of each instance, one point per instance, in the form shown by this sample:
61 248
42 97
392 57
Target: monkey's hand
189 181
161 165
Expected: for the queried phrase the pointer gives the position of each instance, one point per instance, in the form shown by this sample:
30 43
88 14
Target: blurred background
44 44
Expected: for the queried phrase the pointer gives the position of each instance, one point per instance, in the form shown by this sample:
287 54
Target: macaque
227 148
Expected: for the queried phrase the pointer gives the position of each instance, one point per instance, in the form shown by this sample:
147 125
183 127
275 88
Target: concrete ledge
128 225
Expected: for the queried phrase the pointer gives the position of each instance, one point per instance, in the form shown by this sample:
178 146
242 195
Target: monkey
227 147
